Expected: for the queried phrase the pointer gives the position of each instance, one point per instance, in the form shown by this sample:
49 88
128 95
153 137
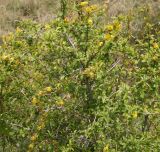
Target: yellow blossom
39 127
58 85
135 114
40 93
155 46
117 25
108 37
31 146
88 9
83 3
109 27
89 72
34 137
48 89
34 101
100 44
18 30
90 22
60 103
106 148
155 57
91 8
66 19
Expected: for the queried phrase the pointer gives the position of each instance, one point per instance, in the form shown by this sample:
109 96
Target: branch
114 65
70 41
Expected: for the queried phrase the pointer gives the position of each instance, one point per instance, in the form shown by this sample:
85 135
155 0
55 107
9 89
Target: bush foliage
76 84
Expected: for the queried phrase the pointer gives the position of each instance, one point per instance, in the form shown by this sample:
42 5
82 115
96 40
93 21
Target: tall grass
13 10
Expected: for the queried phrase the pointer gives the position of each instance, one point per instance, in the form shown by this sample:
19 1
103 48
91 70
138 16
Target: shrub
75 84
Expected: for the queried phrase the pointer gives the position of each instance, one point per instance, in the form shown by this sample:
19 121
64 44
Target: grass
15 10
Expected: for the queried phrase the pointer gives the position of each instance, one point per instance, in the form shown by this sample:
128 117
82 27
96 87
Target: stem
63 8
1 99
86 39
89 92
145 126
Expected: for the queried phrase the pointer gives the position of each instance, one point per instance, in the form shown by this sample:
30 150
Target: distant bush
77 84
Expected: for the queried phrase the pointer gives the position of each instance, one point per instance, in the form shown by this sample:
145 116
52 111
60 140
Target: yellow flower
106 148
18 30
155 57
155 46
90 22
7 58
60 103
117 25
39 128
91 8
48 89
34 101
40 93
108 37
66 19
100 44
31 146
34 137
83 3
89 72
88 9
109 27
135 114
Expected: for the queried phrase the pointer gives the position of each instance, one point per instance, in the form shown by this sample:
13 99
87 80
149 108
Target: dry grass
13 10
44 10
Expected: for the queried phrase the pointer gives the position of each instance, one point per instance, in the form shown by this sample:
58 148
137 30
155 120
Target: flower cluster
89 72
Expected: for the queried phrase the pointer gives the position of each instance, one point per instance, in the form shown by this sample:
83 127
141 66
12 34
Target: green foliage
75 84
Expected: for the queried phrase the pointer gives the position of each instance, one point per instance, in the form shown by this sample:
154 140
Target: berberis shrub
75 84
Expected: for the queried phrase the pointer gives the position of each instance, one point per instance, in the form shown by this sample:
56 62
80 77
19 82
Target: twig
114 65
70 41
